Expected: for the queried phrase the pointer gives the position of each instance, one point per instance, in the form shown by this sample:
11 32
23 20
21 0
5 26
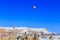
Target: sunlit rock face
25 29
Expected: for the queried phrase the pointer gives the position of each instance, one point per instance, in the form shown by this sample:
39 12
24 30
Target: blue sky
21 13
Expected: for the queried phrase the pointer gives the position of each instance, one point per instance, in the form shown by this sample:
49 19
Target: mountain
26 29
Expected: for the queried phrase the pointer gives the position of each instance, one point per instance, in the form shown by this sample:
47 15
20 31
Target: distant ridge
26 28
12 27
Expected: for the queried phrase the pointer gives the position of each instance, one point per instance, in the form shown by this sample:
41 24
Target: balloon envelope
34 6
